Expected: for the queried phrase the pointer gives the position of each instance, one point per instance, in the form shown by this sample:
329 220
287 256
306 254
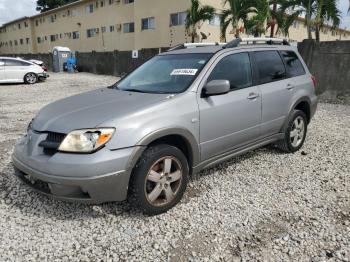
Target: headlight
86 140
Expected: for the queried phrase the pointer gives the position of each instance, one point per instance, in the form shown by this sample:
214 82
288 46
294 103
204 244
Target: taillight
314 81
44 68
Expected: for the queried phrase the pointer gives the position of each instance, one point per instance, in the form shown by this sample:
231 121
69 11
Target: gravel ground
264 205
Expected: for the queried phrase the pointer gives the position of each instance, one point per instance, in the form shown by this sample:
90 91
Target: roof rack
195 45
234 43
266 40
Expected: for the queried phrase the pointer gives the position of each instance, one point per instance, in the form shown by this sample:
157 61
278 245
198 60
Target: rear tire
295 133
30 78
159 179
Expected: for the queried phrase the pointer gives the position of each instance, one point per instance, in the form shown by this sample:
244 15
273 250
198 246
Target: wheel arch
179 137
303 104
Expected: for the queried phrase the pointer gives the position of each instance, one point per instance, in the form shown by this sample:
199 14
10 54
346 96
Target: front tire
30 78
295 132
159 179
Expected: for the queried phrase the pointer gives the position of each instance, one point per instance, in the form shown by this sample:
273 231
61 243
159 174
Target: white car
15 70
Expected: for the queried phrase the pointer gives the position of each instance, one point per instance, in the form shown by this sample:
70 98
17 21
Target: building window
45 38
111 28
103 29
16 42
129 28
92 32
111 2
27 41
36 22
178 19
90 9
102 3
19 26
21 41
215 21
147 23
75 35
52 18
128 1
53 38
25 24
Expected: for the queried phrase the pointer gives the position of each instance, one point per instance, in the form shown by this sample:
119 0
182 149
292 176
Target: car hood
92 109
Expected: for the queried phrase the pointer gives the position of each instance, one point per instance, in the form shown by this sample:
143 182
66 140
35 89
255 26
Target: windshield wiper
134 90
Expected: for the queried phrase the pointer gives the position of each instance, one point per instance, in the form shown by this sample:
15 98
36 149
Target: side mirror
216 87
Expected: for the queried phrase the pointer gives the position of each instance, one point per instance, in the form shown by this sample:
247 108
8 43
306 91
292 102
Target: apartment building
107 25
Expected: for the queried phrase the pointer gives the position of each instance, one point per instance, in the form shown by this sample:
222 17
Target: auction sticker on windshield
184 72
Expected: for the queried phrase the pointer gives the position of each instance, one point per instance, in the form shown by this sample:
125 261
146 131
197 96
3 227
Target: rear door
231 120
15 70
2 71
276 90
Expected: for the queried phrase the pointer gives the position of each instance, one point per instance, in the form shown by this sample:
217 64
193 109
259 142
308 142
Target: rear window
293 64
270 66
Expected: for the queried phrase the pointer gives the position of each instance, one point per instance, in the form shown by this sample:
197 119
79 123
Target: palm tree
295 8
321 10
238 11
197 14
256 24
326 10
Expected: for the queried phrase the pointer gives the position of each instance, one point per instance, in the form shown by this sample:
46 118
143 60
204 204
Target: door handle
253 96
290 87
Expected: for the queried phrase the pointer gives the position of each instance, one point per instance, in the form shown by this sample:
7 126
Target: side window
270 66
236 68
2 63
10 62
293 64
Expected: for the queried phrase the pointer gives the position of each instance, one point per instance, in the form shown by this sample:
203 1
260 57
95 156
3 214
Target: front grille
55 137
52 142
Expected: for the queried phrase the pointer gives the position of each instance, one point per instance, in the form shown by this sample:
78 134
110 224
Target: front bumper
43 75
91 178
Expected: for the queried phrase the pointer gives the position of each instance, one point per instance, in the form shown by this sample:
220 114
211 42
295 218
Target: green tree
317 13
326 11
256 24
45 5
197 14
238 11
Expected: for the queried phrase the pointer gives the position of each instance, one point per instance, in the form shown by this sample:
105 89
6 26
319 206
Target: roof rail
195 45
267 40
233 43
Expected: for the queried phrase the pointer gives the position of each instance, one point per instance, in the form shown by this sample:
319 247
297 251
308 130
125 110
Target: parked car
16 70
180 112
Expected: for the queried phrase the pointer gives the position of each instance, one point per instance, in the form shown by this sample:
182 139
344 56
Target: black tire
287 144
141 187
30 78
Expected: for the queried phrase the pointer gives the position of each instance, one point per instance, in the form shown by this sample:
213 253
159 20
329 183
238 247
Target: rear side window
11 62
270 66
236 68
293 64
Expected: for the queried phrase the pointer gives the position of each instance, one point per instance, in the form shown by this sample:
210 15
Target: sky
13 9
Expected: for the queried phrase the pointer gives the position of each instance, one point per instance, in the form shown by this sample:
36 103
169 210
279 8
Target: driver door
231 120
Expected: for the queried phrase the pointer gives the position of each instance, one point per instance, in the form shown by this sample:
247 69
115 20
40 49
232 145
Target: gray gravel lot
264 205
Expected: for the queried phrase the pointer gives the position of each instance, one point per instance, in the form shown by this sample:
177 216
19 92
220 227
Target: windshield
165 74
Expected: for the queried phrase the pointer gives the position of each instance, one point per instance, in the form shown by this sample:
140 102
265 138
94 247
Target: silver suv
182 111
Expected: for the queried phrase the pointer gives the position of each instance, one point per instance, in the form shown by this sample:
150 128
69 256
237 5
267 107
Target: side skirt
236 152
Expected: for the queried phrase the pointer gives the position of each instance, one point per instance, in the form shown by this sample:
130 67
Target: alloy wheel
31 78
297 132
163 181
